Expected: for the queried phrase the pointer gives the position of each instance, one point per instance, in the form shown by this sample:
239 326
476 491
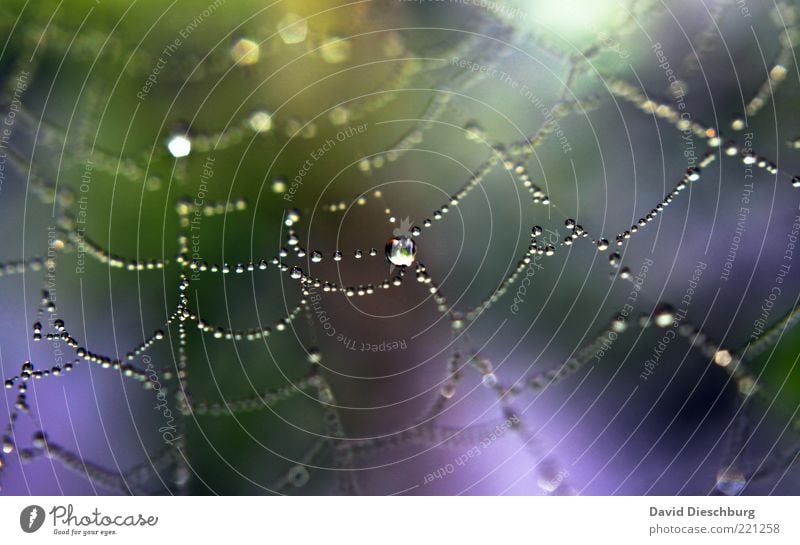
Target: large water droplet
401 251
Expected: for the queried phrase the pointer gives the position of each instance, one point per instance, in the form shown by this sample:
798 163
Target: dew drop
298 476
279 184
746 385
693 174
39 439
181 476
292 216
260 121
292 29
325 395
339 116
401 251
723 357
664 315
314 355
245 52
335 50
549 478
730 481
179 144
448 390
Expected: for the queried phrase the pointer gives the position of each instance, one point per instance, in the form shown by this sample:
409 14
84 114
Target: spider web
430 90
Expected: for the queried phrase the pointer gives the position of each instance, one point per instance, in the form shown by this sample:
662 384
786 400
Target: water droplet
339 116
335 50
292 28
245 52
723 357
401 251
298 476
316 256
296 273
292 216
746 385
179 144
393 45
314 355
448 390
260 121
489 380
325 395
278 184
39 439
730 481
619 324
548 482
181 475
664 315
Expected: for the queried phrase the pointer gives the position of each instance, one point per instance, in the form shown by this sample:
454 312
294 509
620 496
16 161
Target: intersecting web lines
454 248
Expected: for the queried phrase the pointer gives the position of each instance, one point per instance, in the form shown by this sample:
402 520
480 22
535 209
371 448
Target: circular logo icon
31 518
